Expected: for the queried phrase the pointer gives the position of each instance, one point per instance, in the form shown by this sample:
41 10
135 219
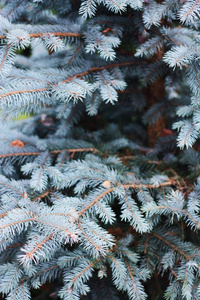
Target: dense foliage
99 149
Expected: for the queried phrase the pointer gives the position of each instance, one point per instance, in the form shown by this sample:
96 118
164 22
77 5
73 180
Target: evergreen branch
157 42
196 75
88 238
17 109
148 186
43 195
56 226
17 222
27 77
94 150
174 288
131 210
3 215
115 3
171 270
95 201
88 6
133 280
19 154
192 8
174 41
115 261
74 258
97 69
41 171
12 188
186 136
39 273
10 281
91 70
125 186
74 55
124 252
180 58
97 234
132 157
146 243
178 210
15 245
103 210
187 257
84 270
14 8
5 55
154 70
43 34
22 92
64 34
38 246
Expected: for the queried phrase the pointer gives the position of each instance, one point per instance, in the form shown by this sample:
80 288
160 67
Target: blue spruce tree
99 149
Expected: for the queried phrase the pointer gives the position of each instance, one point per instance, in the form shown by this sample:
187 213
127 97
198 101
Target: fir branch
183 254
98 248
95 201
5 55
51 152
48 33
124 186
30 255
22 92
97 69
133 280
14 8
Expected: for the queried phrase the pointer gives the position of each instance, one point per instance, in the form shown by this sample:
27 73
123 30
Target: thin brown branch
91 70
187 257
125 186
42 195
192 8
95 201
148 48
88 238
97 69
10 12
43 34
51 152
133 280
17 222
38 246
5 55
22 92
84 270
12 188
74 55
181 211
148 186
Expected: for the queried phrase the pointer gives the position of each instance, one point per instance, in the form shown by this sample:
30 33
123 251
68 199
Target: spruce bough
99 149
